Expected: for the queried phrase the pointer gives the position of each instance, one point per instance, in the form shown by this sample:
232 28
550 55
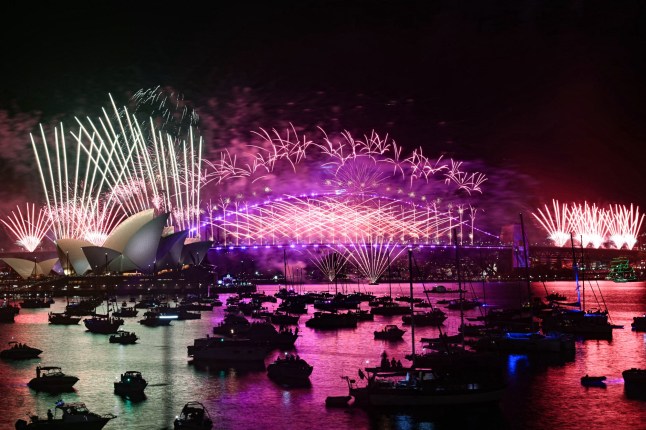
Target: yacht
290 369
130 382
73 416
227 349
635 382
51 378
389 332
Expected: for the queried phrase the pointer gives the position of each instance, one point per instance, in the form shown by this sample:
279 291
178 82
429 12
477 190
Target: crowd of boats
463 368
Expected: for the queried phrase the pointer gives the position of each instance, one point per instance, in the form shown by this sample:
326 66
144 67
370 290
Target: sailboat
592 324
451 383
103 324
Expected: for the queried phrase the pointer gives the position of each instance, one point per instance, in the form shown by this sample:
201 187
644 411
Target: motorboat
153 318
290 369
19 351
389 309
130 382
63 318
124 337
227 349
635 382
51 378
422 387
194 416
332 320
593 381
389 332
73 416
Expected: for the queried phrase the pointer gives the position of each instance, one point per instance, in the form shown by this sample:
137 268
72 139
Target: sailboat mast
525 259
457 268
412 319
390 285
582 277
575 268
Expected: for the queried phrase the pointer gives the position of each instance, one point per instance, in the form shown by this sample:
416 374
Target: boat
635 382
555 297
124 337
194 416
224 349
332 320
130 382
440 289
7 313
389 332
465 304
63 318
526 342
434 317
103 324
20 351
639 323
337 401
73 416
621 271
290 370
153 318
593 381
456 382
51 378
284 318
389 309
126 312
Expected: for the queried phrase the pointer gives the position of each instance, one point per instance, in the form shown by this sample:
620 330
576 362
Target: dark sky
552 89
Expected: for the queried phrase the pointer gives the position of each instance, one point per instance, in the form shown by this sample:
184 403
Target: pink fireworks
29 227
617 226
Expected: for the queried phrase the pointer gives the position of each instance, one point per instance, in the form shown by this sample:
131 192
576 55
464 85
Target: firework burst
29 227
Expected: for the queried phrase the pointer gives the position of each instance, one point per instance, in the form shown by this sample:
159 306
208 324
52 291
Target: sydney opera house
140 247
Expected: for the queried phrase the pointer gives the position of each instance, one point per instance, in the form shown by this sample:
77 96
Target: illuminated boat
126 312
73 416
621 271
20 351
130 382
51 378
194 416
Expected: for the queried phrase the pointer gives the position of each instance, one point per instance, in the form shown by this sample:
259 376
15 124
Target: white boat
227 349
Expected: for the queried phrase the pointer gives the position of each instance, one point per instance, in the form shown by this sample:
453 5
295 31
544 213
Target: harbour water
543 392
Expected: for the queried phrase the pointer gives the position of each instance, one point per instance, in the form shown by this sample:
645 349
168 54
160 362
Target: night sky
550 93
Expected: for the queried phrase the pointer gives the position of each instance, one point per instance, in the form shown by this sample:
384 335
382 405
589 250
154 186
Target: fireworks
29 228
117 170
591 225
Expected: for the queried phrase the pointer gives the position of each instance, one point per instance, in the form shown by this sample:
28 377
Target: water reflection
445 417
